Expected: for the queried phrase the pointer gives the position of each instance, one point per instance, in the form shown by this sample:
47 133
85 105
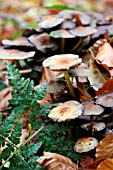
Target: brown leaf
105 148
5 95
86 160
84 95
95 76
105 55
107 88
56 161
107 164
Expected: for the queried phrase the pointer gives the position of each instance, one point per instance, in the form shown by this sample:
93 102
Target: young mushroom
63 62
66 111
85 144
96 126
55 87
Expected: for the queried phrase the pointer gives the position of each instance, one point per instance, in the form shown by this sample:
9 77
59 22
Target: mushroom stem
71 89
63 43
52 97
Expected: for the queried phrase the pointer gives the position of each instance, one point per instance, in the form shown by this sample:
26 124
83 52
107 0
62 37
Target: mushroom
92 109
66 111
15 54
105 100
63 34
50 21
54 87
43 42
96 126
21 41
85 144
63 62
81 31
69 14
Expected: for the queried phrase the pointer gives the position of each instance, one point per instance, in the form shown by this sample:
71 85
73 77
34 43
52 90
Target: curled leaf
56 161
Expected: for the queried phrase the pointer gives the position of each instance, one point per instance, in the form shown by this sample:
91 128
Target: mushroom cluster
68 31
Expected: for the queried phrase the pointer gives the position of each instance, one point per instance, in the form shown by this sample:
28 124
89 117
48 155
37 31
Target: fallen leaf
84 95
56 161
106 164
105 55
95 76
5 95
107 88
86 160
105 148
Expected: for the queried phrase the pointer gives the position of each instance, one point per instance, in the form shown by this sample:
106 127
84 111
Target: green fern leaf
29 150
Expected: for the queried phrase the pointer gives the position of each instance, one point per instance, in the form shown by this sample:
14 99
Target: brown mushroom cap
21 41
15 54
97 126
61 34
43 42
68 14
85 144
50 21
55 86
79 71
92 109
62 62
83 31
105 100
66 111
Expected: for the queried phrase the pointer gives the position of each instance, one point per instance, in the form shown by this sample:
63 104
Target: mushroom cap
66 111
69 14
50 21
105 100
43 42
97 126
61 34
55 86
62 62
92 109
85 144
15 54
81 31
21 41
79 71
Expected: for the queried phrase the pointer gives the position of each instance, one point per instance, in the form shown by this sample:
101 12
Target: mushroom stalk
52 97
71 89
63 44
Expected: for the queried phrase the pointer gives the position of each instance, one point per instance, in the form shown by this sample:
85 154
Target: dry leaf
107 88
56 161
105 148
95 76
105 55
86 160
84 95
5 95
106 164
